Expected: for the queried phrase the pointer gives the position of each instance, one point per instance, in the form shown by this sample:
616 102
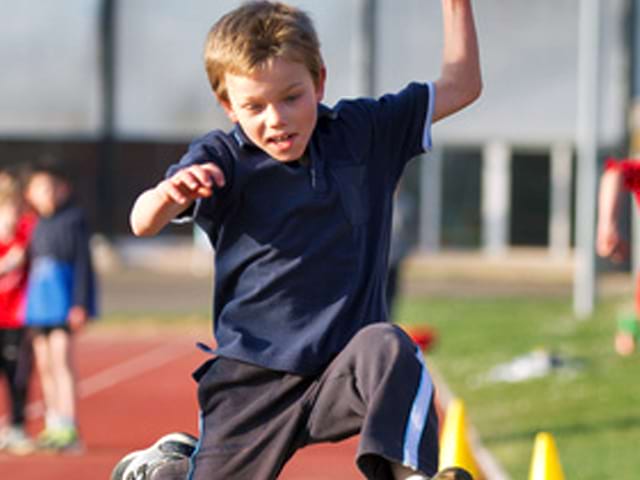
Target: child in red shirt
618 176
15 348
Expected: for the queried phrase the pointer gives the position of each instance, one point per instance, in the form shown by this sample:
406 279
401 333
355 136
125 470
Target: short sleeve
207 149
398 124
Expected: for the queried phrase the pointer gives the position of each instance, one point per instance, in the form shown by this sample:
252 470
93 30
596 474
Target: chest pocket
354 192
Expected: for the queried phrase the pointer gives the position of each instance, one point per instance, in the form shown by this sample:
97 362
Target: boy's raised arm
156 207
460 81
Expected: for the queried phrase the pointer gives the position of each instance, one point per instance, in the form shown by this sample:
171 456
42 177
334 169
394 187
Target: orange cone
545 463
455 450
423 336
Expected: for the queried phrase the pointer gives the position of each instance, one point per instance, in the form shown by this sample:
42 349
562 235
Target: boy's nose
275 117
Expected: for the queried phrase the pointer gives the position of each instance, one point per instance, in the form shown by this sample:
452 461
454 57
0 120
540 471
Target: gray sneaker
167 458
15 440
453 473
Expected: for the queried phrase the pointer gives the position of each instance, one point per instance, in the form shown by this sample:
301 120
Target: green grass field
593 413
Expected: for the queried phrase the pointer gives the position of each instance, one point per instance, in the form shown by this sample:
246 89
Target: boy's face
277 107
45 193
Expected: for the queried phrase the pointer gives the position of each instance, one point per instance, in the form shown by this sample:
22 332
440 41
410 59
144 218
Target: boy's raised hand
190 183
460 81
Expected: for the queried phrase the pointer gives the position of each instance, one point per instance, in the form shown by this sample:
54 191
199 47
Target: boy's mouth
282 144
281 139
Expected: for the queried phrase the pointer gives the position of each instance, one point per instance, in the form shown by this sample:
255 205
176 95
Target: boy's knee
385 360
385 337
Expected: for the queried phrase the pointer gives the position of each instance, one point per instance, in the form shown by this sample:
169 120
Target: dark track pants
16 364
253 419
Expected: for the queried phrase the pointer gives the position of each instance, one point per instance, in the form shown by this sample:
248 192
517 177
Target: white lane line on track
131 368
116 374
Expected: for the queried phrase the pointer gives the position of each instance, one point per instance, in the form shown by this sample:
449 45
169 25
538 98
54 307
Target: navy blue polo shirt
301 248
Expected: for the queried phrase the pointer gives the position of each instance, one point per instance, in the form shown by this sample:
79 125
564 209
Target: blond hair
249 37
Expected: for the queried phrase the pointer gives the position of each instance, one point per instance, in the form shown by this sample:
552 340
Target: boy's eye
253 107
291 98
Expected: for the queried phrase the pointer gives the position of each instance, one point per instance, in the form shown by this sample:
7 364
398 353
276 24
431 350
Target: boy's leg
251 420
378 385
251 423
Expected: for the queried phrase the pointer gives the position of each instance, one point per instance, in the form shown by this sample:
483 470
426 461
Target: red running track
132 390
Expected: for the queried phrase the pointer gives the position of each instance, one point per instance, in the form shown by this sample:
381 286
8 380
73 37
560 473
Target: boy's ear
228 109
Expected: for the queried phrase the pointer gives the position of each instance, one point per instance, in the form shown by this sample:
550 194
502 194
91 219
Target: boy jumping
297 203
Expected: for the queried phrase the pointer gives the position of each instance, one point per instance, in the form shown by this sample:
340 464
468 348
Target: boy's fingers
198 176
175 192
204 192
199 183
213 171
202 176
182 193
188 178
192 182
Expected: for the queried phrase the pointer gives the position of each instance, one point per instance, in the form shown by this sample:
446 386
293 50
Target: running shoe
60 440
166 458
15 440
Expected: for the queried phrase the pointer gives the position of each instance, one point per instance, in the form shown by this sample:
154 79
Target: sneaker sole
20 450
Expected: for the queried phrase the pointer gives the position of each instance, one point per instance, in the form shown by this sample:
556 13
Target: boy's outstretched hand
190 183
157 206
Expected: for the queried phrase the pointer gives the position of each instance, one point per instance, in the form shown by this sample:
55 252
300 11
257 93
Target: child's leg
42 355
378 385
63 374
55 364
251 420
16 353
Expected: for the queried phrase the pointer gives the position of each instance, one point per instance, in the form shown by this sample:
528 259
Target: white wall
48 57
50 72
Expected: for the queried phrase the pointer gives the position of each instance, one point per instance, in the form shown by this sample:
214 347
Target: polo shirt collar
241 137
325 112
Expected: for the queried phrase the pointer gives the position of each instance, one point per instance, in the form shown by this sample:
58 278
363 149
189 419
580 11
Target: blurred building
117 89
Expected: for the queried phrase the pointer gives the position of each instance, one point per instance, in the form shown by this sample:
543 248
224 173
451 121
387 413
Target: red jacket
13 284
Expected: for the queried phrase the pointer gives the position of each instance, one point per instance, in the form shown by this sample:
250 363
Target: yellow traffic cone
545 463
455 450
